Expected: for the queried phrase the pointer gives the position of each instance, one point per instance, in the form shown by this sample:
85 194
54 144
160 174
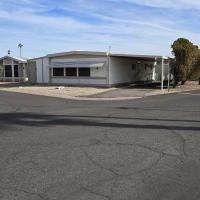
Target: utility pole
20 45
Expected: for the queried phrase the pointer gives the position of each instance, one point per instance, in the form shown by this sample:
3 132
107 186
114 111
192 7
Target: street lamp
20 45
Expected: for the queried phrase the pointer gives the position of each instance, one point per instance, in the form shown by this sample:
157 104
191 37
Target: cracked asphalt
58 149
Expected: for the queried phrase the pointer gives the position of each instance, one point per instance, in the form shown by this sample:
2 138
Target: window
84 71
71 71
58 71
8 70
133 67
146 66
16 72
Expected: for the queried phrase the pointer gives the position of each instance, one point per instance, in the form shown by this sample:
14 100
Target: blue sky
129 26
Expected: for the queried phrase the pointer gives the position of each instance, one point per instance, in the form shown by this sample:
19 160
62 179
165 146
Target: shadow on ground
39 120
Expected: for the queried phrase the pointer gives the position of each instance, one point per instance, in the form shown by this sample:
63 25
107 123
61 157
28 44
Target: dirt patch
54 91
92 92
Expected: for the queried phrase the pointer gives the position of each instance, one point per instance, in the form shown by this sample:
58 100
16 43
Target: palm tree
20 45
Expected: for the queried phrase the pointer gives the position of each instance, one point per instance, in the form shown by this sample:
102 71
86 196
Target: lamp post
20 45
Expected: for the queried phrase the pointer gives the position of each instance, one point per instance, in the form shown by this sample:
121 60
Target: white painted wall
95 72
80 81
98 75
158 71
121 70
42 70
39 71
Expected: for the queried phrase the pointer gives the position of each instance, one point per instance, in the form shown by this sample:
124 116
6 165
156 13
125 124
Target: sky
128 26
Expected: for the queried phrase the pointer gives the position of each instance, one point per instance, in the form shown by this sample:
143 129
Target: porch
12 70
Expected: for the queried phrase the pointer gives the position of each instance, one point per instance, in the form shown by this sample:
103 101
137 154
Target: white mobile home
13 68
96 68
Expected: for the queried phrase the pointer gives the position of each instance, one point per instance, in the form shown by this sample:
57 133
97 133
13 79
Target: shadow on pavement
35 120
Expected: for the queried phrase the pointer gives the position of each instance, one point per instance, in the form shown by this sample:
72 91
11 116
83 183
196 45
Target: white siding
95 72
121 70
79 81
42 68
158 72
39 71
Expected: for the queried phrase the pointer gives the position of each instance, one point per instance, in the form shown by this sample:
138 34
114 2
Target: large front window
71 71
84 72
58 71
8 70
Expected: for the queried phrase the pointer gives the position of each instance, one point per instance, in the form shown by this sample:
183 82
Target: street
58 149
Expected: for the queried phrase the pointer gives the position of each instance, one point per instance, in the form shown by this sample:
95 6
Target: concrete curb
101 99
108 98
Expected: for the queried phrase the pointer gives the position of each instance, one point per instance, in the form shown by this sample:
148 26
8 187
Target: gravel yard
71 92
55 91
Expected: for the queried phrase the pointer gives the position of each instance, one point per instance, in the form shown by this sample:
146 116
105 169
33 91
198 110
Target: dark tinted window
8 71
84 71
58 71
16 72
71 71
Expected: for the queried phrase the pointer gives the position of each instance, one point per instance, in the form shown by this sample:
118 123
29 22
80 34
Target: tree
185 53
195 72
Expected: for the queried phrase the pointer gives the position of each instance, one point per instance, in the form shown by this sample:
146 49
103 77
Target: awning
76 64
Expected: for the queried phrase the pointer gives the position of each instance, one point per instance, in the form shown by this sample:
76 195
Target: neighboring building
13 69
96 68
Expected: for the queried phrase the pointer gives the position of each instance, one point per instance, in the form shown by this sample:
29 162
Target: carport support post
162 75
169 76
13 73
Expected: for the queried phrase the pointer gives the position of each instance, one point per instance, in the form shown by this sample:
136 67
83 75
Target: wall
98 75
31 72
158 71
1 70
42 70
21 70
79 81
100 72
121 70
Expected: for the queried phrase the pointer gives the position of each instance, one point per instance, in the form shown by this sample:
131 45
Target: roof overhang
104 54
20 60
140 57
92 53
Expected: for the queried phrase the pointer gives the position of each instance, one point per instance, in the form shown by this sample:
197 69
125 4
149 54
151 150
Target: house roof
15 58
98 53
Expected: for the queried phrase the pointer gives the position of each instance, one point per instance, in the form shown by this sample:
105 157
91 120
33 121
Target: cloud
130 26
178 4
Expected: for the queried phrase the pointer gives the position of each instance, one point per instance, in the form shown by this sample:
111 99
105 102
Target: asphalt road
57 149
